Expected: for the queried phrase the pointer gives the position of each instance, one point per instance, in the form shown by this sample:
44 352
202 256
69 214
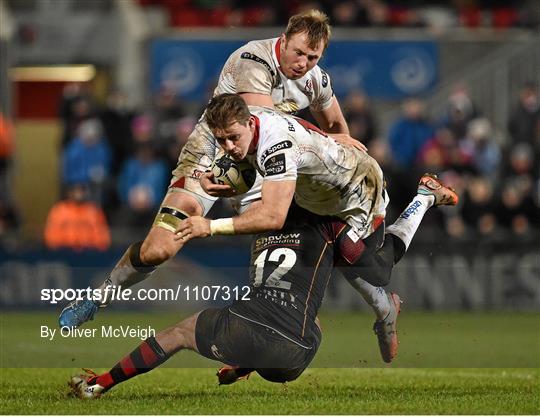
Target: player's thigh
179 336
357 258
185 197
160 245
297 360
219 339
223 336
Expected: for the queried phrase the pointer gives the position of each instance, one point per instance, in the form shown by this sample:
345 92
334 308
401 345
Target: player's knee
383 276
183 337
173 339
156 252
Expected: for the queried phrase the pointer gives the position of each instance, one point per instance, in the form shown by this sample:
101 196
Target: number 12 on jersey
274 280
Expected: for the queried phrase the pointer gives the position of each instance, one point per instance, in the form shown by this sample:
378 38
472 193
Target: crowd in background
495 171
116 163
350 13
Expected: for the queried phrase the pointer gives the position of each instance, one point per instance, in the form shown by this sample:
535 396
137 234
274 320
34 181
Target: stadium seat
504 17
188 17
470 17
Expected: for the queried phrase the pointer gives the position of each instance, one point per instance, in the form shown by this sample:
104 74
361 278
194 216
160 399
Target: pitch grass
442 368
318 391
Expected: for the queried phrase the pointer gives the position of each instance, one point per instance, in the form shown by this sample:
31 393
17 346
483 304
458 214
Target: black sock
135 259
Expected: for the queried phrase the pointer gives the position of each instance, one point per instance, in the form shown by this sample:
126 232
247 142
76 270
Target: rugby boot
85 386
77 312
386 332
230 374
430 184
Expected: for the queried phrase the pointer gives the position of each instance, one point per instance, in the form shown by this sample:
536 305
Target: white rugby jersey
330 179
254 68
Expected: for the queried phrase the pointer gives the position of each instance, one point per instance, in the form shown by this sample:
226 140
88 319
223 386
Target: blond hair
225 109
314 23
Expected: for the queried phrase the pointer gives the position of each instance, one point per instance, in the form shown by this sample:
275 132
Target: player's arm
257 99
332 121
269 214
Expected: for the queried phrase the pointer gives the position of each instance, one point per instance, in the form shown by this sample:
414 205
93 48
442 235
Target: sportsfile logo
412 209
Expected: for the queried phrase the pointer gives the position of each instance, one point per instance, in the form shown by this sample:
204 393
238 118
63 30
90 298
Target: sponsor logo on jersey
216 352
253 57
275 165
324 81
277 147
290 239
288 106
196 174
308 89
353 235
412 209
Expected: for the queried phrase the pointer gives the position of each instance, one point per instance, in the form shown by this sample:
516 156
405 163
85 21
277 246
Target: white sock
124 274
407 223
375 296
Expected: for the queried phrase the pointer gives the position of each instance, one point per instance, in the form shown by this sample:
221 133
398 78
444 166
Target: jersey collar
277 53
255 141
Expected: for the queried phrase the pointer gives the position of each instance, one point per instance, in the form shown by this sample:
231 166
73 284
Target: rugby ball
238 174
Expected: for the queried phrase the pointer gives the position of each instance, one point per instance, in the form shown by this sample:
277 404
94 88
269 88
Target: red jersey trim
255 141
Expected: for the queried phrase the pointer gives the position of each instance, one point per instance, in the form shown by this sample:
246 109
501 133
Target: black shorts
371 259
223 336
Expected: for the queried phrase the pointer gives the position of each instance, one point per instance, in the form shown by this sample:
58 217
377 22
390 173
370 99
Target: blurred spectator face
356 102
529 99
77 193
378 149
520 224
480 190
511 196
81 108
142 129
344 13
433 159
90 131
413 109
445 137
296 57
487 223
377 11
460 105
117 101
140 198
166 98
453 179
72 89
479 130
521 159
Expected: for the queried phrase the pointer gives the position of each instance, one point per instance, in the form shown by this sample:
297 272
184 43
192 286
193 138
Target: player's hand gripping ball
240 175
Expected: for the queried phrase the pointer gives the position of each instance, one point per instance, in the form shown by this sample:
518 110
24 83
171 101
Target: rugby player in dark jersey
275 333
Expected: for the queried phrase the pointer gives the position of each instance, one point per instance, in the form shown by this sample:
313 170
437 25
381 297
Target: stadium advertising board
384 69
456 278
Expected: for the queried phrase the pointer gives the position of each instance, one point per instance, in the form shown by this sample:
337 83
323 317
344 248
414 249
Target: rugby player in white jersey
297 161
281 73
